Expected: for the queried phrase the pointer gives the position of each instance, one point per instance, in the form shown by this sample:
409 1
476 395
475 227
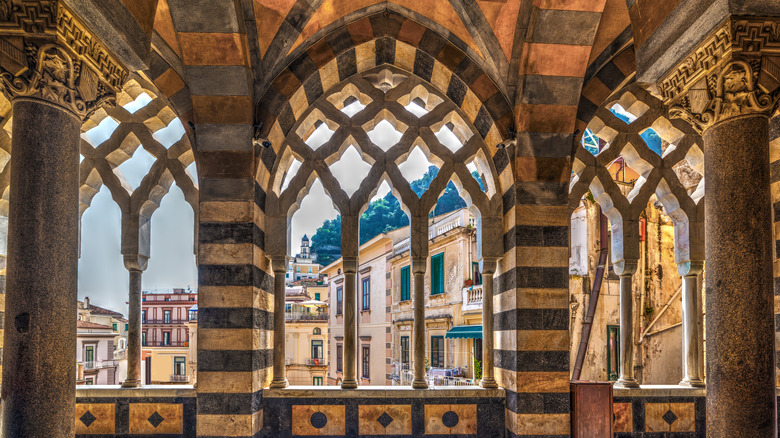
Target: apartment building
165 335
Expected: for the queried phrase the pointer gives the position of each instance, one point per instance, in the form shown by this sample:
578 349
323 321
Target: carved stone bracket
58 60
735 71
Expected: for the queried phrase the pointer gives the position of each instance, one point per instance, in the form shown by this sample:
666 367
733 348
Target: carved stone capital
735 71
47 53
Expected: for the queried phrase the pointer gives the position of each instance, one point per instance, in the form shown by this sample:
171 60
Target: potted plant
468 282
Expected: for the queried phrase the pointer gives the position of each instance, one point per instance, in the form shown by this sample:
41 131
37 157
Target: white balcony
472 297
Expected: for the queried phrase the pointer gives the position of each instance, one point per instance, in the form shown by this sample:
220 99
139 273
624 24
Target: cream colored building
453 302
373 313
306 335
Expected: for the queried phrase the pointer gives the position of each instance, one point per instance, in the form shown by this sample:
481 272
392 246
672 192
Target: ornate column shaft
280 370
626 273
488 338
350 323
727 88
56 74
418 325
134 325
692 343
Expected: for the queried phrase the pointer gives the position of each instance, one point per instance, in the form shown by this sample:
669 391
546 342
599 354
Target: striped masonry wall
532 313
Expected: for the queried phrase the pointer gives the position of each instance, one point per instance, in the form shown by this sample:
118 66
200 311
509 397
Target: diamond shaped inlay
155 419
87 418
384 419
669 417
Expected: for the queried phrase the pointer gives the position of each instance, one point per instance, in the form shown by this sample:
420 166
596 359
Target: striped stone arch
386 38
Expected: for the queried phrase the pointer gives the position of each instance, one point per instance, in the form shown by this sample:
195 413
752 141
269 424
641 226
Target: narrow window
143 338
405 284
316 350
166 339
317 381
127 327
437 274
437 351
167 316
477 276
179 368
339 300
366 293
114 325
89 356
404 352
309 269
317 296
366 361
143 317
339 357
613 351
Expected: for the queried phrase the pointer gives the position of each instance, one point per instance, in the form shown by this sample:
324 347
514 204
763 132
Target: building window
437 274
316 349
309 269
366 362
90 382
143 338
613 351
404 351
143 317
115 326
406 284
339 357
366 293
476 275
317 296
127 327
317 381
298 269
317 331
89 355
339 300
167 316
179 366
166 338
437 351
167 298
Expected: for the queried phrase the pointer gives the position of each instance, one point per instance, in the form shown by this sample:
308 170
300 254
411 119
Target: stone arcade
518 82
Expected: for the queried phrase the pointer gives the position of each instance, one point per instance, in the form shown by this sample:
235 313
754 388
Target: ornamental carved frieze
46 52
734 71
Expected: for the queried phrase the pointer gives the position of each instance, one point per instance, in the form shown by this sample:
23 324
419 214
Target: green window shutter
405 284
437 274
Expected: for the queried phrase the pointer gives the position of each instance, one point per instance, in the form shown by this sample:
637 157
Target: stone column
738 246
279 264
39 361
692 343
626 271
418 329
488 269
350 323
134 330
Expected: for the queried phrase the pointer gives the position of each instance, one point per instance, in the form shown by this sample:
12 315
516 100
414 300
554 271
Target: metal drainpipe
587 322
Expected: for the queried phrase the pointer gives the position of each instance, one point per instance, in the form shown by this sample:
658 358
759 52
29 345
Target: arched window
317 331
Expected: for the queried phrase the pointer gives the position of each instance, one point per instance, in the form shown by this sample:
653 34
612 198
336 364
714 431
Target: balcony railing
472 297
97 364
163 321
407 376
316 362
305 317
179 378
169 344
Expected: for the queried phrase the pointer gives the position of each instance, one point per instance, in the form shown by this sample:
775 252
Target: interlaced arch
383 102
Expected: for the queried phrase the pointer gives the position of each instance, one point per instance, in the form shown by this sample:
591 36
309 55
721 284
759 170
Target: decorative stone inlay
384 420
87 418
450 419
155 419
319 420
735 71
669 417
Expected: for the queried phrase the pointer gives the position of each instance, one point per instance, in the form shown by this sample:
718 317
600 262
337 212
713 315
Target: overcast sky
102 275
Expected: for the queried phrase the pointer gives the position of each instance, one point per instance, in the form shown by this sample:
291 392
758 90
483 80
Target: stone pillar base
278 383
131 383
693 383
626 383
349 384
488 383
419 384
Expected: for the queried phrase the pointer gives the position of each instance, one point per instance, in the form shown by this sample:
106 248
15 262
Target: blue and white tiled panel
667 417
172 417
369 418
